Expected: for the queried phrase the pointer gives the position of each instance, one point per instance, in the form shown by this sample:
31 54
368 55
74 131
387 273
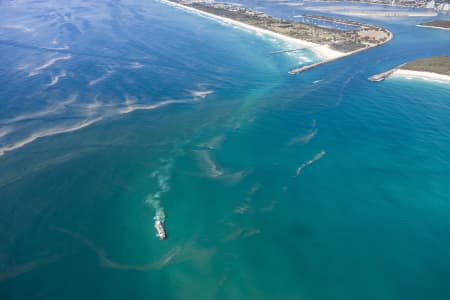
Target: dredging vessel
160 232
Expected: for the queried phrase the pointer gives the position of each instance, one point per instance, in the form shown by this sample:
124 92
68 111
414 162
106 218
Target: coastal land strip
436 24
434 68
349 10
329 44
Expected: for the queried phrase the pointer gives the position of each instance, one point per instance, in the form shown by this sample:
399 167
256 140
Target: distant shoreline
389 14
434 27
433 68
405 73
436 24
322 51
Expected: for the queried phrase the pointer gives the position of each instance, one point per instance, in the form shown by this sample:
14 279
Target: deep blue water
317 186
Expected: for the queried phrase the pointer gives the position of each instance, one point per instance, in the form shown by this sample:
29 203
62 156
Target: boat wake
162 177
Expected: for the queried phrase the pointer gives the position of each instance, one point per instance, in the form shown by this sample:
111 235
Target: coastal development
437 24
433 68
328 43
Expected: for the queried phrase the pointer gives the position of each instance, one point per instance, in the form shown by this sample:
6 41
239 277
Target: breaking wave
311 161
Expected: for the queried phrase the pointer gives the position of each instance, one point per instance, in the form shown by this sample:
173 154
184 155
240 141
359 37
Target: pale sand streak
323 51
48 64
106 262
86 123
309 162
421 75
57 77
48 132
27 267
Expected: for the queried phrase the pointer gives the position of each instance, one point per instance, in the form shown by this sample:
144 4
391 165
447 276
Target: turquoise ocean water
317 186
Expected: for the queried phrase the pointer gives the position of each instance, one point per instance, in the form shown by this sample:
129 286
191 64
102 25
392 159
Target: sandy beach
322 51
421 75
434 27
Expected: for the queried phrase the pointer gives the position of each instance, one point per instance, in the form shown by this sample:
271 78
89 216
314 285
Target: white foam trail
134 107
162 176
113 110
52 61
57 77
23 67
5 131
47 132
22 28
311 161
101 78
58 48
136 65
55 108
201 94
130 100
304 138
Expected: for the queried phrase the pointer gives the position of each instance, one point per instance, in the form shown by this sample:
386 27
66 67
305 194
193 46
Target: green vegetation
438 23
438 64
365 36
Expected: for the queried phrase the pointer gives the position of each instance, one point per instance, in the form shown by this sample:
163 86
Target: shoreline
431 76
388 14
434 27
323 52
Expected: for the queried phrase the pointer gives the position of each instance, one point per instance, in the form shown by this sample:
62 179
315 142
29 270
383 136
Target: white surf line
309 162
323 51
57 77
52 61
421 75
